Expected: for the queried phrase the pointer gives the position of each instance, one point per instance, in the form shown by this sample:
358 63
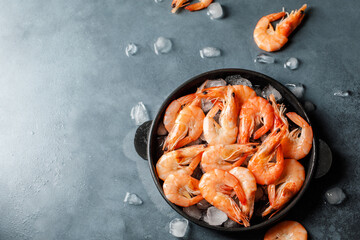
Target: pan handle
324 159
141 139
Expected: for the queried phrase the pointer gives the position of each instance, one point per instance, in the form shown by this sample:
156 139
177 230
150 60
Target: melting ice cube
159 1
309 106
193 211
162 45
215 217
131 49
206 105
203 204
215 83
292 63
230 223
268 90
210 52
335 196
264 58
178 227
238 80
215 11
342 93
139 114
132 199
296 88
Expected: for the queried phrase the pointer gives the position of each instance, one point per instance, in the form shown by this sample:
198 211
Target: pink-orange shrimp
262 164
187 128
176 4
224 132
216 187
248 184
199 5
225 157
254 111
286 187
182 189
271 40
183 160
287 230
297 144
243 93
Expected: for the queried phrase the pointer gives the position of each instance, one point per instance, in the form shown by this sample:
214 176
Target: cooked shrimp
224 132
271 40
253 112
265 170
182 160
187 127
243 93
287 230
225 157
216 187
182 189
286 187
297 144
248 184
199 5
176 4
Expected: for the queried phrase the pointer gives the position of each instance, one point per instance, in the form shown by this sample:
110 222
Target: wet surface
67 153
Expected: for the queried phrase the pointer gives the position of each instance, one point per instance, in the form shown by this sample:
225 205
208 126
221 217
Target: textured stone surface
67 88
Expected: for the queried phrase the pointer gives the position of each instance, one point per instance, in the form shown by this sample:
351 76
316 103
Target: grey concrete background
67 88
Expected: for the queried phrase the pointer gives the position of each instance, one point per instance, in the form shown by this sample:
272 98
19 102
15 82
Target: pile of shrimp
249 154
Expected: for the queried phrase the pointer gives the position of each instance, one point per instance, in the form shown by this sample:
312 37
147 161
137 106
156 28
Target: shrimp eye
233 94
205 92
253 146
278 130
301 11
173 5
206 145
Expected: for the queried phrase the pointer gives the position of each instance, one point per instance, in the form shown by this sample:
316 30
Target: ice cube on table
210 52
178 227
309 106
131 49
215 83
335 196
193 211
215 11
139 114
162 45
342 93
132 199
292 63
158 1
238 80
215 217
203 204
230 224
296 88
268 90
264 58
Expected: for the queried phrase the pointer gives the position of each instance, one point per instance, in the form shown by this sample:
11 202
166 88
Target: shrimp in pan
182 189
271 40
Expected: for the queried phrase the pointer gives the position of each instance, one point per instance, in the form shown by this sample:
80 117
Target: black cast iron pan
148 146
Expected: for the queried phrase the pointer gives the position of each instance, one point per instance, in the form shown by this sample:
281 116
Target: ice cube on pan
215 217
268 90
193 211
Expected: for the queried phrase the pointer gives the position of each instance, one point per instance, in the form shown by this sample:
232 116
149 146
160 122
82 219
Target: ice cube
131 49
257 89
193 211
292 63
215 11
230 223
203 204
215 217
139 114
238 80
309 106
206 105
215 83
162 45
335 196
132 199
296 88
268 90
159 1
264 58
161 131
210 52
178 227
342 93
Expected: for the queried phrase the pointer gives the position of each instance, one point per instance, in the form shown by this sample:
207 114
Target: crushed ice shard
139 114
132 199
264 58
210 52
342 93
178 227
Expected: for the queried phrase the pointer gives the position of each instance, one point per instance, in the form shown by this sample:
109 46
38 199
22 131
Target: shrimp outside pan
248 184
182 189
271 40
286 230
226 157
199 5
183 160
288 185
216 187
